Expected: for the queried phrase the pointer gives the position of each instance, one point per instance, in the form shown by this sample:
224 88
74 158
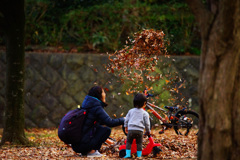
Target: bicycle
180 118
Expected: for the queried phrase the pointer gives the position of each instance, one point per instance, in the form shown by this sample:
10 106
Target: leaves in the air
137 62
139 58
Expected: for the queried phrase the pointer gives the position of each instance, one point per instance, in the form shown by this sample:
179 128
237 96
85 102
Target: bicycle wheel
122 153
186 122
156 151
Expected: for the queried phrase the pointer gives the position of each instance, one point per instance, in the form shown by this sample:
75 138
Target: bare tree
12 21
219 83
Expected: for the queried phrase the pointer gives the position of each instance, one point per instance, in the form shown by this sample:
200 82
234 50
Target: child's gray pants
134 134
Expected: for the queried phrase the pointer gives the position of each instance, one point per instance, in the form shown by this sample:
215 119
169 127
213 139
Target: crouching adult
94 134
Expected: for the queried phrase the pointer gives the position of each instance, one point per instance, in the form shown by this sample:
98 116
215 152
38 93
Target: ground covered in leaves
48 146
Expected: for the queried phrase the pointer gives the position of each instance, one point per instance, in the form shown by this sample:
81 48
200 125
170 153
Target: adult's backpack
71 125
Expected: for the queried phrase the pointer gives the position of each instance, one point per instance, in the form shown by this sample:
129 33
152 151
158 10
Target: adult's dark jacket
96 116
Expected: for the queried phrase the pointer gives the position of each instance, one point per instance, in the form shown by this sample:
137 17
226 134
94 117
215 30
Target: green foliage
177 23
41 26
104 26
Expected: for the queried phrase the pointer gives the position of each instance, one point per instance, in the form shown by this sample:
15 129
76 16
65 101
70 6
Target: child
137 119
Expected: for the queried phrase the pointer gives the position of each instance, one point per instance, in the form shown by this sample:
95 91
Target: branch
203 16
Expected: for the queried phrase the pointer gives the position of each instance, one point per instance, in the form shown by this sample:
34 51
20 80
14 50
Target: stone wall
57 83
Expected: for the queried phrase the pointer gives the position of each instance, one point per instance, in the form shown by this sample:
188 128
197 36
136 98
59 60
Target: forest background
100 26
218 82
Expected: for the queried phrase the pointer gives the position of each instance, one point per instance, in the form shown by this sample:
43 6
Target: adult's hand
126 130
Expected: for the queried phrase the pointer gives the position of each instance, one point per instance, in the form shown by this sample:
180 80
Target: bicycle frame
164 121
150 106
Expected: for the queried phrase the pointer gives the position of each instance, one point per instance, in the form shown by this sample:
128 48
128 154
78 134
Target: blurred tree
12 22
219 83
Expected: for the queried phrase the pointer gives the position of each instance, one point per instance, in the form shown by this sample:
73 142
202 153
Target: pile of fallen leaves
48 146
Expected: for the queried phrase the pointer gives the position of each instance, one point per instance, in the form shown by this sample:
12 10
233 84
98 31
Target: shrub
104 26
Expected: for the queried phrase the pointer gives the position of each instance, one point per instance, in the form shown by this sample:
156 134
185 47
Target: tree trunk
14 24
219 83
